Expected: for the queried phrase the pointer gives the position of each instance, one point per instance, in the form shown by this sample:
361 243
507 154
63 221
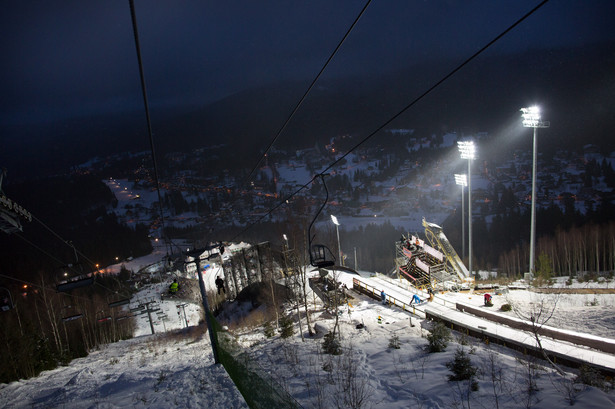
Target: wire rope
398 114
294 111
147 114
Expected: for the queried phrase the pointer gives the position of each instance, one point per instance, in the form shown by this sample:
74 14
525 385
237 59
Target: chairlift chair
78 283
119 302
6 300
101 317
72 317
318 256
318 252
67 318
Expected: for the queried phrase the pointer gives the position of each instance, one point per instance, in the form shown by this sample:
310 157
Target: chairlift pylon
11 213
318 252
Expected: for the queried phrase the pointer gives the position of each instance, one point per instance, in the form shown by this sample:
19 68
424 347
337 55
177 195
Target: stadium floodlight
337 229
462 180
531 119
467 151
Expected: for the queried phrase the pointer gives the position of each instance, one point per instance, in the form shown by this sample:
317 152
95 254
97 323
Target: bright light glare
531 116
461 179
466 149
334 219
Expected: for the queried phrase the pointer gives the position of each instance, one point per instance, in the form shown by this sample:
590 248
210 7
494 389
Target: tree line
76 208
47 328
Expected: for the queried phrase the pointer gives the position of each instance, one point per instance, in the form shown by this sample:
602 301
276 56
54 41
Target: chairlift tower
11 213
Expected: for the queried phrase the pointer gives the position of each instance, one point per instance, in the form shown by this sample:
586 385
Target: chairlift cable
410 105
437 84
147 114
29 283
67 242
42 250
56 259
294 111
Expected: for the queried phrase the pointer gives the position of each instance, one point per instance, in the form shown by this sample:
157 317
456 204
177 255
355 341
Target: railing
373 292
409 287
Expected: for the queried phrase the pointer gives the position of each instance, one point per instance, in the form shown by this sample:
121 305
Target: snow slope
144 372
176 370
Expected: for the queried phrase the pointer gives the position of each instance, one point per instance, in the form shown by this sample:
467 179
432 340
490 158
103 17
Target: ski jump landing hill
563 347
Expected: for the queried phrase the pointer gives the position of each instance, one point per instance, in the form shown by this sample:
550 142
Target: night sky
74 59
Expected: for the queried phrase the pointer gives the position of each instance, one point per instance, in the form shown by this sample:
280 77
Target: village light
337 229
462 180
531 119
467 151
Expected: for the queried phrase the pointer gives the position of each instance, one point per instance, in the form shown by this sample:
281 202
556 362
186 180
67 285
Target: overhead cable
147 114
397 115
339 45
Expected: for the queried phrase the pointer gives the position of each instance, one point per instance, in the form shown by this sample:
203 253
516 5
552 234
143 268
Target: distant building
401 132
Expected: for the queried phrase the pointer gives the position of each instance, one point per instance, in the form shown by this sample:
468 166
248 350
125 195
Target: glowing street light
531 119
467 151
285 237
462 180
337 229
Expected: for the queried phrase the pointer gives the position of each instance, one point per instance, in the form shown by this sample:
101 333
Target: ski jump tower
429 265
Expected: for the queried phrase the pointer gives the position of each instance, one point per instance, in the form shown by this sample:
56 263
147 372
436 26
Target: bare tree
538 315
495 374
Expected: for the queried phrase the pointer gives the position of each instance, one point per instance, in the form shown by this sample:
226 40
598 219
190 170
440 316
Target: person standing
220 285
174 287
384 297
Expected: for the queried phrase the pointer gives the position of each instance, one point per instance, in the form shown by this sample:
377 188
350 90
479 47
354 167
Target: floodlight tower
462 180
531 119
337 229
467 151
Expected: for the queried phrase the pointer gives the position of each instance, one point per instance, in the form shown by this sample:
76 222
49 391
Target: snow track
445 311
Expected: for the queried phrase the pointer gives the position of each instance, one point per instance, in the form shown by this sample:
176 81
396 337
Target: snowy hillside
145 372
176 369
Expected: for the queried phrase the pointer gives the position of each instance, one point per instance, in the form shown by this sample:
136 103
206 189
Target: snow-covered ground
143 372
177 370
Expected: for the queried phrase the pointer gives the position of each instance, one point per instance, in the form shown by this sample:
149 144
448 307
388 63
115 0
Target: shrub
462 369
331 345
590 376
438 338
394 342
269 329
287 328
506 307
